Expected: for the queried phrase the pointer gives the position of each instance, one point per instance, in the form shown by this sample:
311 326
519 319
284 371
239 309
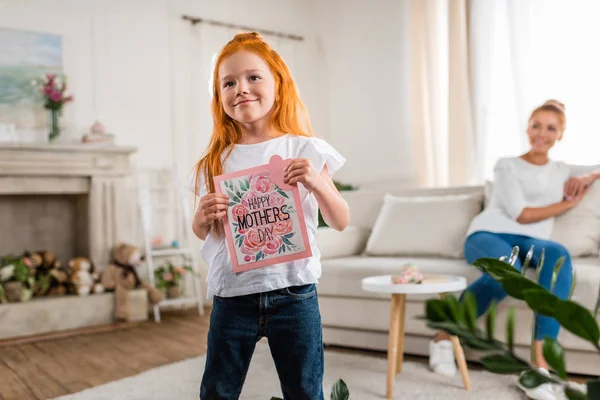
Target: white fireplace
73 200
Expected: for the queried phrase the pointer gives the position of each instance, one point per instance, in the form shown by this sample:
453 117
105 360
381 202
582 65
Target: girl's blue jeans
290 320
495 245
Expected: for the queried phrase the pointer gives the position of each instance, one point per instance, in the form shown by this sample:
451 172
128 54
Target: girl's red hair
288 115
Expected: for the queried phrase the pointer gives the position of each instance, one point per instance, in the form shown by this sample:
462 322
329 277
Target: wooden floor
44 368
49 368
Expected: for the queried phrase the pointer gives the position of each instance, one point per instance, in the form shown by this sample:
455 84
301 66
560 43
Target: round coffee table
439 284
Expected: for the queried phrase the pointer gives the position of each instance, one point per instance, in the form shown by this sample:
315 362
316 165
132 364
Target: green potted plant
17 278
458 319
168 278
339 391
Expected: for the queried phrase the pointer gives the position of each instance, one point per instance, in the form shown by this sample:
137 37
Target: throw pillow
423 226
350 242
579 228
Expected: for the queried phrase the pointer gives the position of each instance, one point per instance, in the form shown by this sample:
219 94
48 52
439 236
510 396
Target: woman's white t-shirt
519 184
221 279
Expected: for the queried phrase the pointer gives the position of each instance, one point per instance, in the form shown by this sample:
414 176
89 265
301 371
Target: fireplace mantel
102 173
64 160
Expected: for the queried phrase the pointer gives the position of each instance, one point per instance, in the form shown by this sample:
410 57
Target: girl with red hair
257 112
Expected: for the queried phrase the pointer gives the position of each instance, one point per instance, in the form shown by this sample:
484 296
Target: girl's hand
301 170
212 207
576 185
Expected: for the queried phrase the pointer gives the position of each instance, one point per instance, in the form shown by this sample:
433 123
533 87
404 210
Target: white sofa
427 227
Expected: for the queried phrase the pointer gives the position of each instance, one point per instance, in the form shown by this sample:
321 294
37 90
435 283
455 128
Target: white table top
431 284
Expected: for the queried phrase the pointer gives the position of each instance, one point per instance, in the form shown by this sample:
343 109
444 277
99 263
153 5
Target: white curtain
522 54
441 115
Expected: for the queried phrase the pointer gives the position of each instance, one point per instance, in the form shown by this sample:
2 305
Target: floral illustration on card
263 218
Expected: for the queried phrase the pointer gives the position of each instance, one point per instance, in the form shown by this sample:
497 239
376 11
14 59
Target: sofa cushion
579 228
365 204
351 241
343 276
423 225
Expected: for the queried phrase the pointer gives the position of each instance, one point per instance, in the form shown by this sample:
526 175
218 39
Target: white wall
365 46
126 59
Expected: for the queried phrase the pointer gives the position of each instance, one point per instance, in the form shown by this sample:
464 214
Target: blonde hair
288 115
557 108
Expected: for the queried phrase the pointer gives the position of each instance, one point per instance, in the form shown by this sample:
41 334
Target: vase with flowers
55 97
168 278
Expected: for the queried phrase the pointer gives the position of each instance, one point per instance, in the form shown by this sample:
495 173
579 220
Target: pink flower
276 200
282 227
168 277
179 270
239 211
27 261
272 245
253 242
261 182
55 95
247 258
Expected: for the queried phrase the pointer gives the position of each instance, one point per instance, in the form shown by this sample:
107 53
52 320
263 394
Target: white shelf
170 252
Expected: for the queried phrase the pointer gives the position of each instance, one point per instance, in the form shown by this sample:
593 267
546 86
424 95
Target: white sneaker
542 392
441 358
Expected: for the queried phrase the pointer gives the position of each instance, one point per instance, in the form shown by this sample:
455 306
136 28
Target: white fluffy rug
365 376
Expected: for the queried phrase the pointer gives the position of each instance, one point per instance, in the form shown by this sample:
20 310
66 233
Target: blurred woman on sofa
529 191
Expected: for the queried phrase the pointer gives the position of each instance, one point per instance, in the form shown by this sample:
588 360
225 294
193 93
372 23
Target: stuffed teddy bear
121 276
84 280
50 276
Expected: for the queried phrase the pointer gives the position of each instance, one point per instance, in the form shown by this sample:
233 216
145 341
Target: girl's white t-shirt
221 279
519 184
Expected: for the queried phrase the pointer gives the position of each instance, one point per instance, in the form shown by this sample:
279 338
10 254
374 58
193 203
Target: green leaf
502 364
527 261
477 343
510 329
470 307
540 265
281 192
435 311
577 320
573 394
554 355
339 391
513 255
450 328
286 241
541 302
454 308
516 284
573 283
232 203
532 379
593 389
555 273
491 321
495 268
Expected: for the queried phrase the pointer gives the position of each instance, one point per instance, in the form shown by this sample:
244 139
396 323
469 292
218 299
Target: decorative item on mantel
54 101
98 135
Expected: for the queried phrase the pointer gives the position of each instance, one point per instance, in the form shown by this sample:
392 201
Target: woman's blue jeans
495 245
291 321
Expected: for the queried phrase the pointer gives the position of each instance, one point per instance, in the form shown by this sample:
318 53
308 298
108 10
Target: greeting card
265 223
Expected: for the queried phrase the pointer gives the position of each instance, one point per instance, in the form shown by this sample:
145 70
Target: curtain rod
195 20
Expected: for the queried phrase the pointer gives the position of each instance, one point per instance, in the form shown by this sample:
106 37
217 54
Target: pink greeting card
265 223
